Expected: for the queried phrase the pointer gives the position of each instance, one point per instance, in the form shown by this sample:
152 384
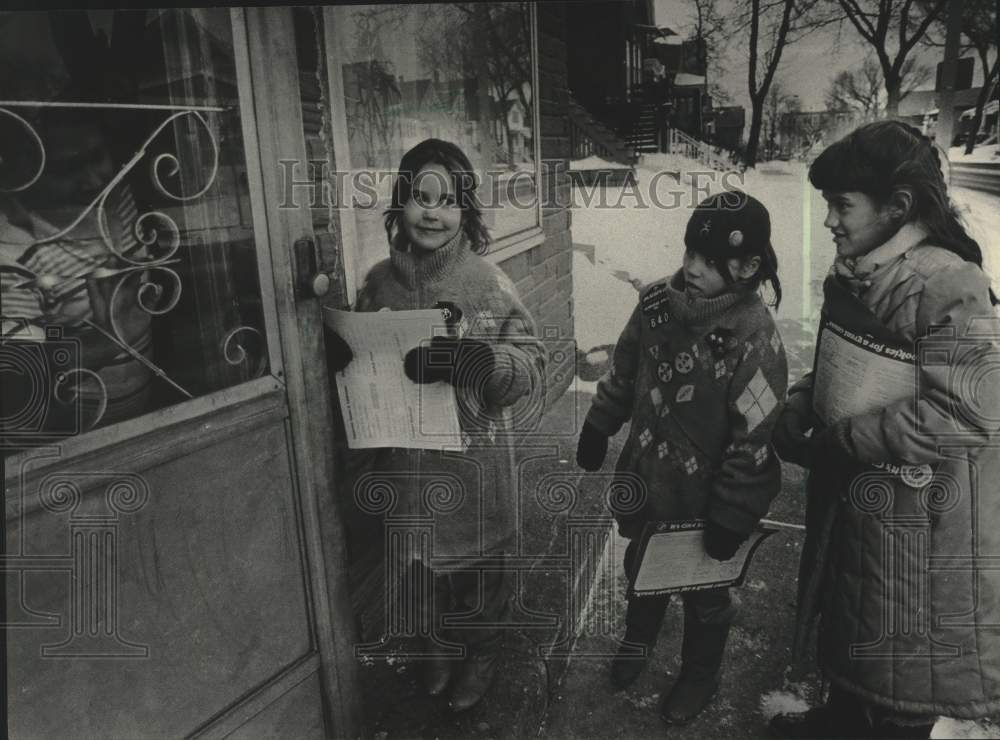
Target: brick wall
544 274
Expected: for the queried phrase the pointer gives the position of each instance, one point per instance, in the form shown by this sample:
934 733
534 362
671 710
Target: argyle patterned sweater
702 381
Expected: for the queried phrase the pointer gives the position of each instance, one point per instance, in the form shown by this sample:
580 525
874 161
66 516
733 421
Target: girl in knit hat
904 462
493 359
700 371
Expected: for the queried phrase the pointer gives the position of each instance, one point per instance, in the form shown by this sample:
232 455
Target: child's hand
790 439
721 543
592 448
338 351
461 362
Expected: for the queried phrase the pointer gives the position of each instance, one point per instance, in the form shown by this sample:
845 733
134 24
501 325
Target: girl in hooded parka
903 498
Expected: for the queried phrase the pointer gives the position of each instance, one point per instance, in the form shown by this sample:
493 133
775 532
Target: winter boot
475 675
643 620
701 657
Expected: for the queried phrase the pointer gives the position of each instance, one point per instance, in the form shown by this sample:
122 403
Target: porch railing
687 146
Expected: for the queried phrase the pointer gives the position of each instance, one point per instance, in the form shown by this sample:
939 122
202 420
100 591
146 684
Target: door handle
309 281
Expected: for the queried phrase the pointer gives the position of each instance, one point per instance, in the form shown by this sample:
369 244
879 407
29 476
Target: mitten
338 351
592 448
831 452
789 439
722 543
461 362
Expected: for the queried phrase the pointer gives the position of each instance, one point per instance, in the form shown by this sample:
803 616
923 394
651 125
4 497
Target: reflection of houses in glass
440 109
512 128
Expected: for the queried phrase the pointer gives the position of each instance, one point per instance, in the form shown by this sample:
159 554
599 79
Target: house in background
633 80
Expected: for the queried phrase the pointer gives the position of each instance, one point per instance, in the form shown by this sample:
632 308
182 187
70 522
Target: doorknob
309 281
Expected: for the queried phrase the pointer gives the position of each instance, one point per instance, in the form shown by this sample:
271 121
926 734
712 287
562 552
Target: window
464 72
127 250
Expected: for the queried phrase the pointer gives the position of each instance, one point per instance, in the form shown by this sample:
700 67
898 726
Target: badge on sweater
684 363
685 393
664 372
655 300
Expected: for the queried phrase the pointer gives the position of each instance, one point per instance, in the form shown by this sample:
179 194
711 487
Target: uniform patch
684 363
656 396
664 372
685 393
756 401
655 300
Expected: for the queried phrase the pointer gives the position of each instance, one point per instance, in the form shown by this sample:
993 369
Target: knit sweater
474 497
702 381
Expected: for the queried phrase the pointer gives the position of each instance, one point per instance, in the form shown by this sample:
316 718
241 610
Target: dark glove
461 362
831 451
338 352
722 543
592 447
789 439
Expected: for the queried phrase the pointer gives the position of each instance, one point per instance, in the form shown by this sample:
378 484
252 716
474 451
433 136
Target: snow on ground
594 162
781 702
982 216
989 153
635 235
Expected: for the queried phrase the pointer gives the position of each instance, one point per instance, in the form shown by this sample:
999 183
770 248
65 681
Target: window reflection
460 72
124 207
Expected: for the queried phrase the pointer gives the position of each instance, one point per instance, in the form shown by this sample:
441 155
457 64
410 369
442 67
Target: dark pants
466 607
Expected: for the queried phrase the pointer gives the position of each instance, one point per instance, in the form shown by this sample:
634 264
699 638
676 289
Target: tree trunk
892 99
977 117
756 121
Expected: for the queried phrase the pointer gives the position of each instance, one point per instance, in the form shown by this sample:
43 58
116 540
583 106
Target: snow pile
963 728
594 162
781 702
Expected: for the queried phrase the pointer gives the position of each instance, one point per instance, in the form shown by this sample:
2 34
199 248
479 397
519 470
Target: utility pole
946 93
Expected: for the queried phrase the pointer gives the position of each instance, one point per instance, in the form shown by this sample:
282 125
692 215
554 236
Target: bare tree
771 26
491 39
892 28
857 89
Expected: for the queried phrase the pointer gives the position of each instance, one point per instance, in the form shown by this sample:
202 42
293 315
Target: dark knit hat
729 224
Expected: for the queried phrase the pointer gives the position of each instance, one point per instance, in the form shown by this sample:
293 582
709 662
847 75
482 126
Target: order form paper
673 559
381 406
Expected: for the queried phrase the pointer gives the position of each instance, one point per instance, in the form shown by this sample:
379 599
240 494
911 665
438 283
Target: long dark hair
463 176
880 158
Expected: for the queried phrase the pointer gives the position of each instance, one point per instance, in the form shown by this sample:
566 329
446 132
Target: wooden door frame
277 110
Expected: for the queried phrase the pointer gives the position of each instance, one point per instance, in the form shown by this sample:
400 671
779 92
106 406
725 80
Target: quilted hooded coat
900 559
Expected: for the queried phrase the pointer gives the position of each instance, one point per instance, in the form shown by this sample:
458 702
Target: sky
806 68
